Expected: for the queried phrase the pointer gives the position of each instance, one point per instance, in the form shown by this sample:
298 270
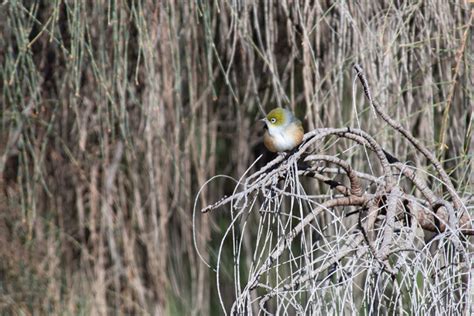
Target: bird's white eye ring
273 120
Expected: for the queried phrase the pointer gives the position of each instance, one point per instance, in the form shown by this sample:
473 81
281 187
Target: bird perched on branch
284 131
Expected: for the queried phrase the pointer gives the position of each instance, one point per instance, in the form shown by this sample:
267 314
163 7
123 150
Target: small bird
284 131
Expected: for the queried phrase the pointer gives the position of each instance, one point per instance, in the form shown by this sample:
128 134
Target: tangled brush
383 241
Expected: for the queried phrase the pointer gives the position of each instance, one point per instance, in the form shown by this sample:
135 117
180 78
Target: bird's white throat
282 138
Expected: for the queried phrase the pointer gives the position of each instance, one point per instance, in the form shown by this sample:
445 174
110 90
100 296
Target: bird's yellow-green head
279 117
284 130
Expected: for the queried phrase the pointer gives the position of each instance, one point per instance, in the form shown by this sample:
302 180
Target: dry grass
115 113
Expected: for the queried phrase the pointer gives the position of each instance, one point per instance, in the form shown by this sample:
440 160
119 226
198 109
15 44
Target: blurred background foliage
115 113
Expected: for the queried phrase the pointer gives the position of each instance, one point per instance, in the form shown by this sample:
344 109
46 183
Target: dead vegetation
364 245
115 113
